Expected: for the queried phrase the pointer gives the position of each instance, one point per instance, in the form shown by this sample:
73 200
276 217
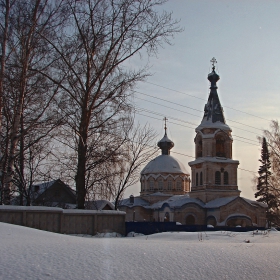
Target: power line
177 104
204 100
189 127
159 114
190 113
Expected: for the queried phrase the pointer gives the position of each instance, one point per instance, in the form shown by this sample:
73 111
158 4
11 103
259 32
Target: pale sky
244 37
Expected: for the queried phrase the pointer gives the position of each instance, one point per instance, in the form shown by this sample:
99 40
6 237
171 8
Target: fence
64 220
155 227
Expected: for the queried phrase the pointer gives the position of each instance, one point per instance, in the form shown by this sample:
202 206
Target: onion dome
164 164
165 144
213 78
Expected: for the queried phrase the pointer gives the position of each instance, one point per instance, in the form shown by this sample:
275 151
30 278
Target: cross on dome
213 61
165 127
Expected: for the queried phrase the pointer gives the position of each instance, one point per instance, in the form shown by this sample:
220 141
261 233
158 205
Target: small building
54 193
101 204
212 197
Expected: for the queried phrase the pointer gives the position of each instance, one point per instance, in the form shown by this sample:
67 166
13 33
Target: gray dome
164 164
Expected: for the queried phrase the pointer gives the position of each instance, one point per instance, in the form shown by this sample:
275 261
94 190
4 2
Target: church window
220 146
169 185
225 178
160 185
143 185
196 179
200 179
218 178
178 186
199 146
151 185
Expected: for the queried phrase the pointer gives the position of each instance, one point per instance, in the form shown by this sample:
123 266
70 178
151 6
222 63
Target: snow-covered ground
33 254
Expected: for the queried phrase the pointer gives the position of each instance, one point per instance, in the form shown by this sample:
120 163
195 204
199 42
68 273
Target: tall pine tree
265 191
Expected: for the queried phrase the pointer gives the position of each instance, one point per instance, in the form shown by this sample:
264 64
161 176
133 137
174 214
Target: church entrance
166 217
211 220
190 220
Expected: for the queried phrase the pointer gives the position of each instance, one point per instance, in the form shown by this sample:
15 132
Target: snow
177 201
164 164
33 254
138 201
165 139
212 159
29 208
208 123
56 209
85 211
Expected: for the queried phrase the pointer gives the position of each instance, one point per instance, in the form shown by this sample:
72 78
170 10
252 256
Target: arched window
218 178
196 179
225 178
169 185
201 179
151 183
199 146
220 146
178 186
160 185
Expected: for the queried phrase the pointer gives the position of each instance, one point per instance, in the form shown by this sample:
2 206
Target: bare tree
139 150
28 96
273 142
4 33
36 169
93 58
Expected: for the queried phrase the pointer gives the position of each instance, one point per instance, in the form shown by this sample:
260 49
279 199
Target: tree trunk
82 153
80 176
3 195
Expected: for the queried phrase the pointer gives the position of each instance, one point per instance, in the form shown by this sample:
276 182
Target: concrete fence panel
64 220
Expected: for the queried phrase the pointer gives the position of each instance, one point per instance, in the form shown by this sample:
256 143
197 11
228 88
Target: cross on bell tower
165 127
213 61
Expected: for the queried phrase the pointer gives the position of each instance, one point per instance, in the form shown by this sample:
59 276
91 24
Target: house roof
42 187
98 204
138 201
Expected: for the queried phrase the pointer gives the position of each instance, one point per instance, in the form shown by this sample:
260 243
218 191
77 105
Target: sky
32 254
244 37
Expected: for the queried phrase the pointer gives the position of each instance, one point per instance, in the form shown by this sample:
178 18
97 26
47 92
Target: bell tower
214 172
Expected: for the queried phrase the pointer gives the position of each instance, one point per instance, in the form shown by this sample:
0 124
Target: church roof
164 164
177 201
216 203
213 110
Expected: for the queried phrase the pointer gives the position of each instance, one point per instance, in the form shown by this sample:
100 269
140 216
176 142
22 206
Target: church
211 195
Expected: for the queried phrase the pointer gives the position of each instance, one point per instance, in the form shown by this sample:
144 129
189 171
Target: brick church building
212 196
